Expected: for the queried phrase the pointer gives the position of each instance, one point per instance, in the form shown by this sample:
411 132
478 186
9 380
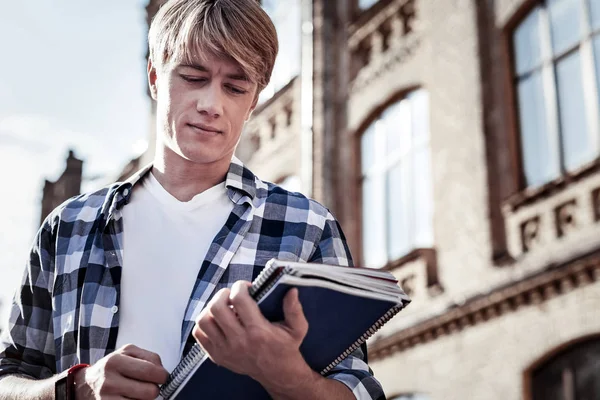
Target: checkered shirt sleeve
27 347
353 371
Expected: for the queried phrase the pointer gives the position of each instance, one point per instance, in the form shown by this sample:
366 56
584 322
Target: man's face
202 108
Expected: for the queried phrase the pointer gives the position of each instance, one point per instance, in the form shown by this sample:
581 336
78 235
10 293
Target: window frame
526 193
426 253
550 356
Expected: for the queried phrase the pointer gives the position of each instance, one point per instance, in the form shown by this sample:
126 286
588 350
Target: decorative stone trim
382 40
533 290
429 255
274 116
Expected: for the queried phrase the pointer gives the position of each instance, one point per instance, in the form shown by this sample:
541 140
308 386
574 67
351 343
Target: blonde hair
188 30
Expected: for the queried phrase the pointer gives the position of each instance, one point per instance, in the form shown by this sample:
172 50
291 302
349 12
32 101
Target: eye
191 78
236 90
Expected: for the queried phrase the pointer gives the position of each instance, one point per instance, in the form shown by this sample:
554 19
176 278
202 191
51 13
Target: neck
184 179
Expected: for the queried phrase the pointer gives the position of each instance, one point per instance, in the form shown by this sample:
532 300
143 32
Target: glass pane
366 3
587 377
367 149
587 371
565 23
423 198
577 148
596 44
539 162
398 127
594 7
374 222
420 111
400 198
286 17
526 41
547 381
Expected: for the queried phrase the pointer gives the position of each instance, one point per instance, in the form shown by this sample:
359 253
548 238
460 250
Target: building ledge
536 194
536 289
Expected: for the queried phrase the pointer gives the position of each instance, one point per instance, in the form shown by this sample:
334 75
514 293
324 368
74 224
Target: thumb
294 316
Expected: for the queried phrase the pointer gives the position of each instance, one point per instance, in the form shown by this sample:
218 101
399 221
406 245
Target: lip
206 128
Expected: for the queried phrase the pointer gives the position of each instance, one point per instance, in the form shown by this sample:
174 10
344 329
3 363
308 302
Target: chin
201 157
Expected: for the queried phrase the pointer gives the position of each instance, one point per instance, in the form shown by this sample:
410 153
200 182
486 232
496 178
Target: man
125 279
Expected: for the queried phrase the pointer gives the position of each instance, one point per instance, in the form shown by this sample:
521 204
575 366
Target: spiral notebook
344 307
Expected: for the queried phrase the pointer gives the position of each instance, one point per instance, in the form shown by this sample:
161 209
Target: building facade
65 187
457 141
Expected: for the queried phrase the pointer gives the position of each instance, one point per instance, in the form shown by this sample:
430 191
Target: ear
152 79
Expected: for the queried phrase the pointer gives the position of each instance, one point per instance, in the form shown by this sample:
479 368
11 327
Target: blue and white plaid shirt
66 311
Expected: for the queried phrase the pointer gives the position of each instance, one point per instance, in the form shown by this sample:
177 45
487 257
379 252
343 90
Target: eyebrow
238 76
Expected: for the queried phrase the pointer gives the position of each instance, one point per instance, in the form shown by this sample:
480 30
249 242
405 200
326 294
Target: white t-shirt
165 242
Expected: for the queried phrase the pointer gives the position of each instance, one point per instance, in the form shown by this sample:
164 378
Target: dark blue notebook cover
336 321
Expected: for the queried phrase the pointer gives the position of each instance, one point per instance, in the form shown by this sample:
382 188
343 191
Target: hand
236 335
129 372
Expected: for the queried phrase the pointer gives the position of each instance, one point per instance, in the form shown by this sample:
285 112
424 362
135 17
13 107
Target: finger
204 341
294 315
225 317
137 369
143 354
209 327
134 389
245 306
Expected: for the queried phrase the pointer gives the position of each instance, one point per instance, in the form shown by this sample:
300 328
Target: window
364 4
573 374
396 182
291 183
286 16
557 77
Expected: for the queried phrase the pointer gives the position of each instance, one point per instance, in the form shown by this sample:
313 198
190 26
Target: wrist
64 388
78 383
295 384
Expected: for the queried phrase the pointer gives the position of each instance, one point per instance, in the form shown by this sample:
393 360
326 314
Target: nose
210 101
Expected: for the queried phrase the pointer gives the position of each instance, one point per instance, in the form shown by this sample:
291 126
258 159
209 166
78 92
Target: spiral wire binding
257 286
181 372
376 326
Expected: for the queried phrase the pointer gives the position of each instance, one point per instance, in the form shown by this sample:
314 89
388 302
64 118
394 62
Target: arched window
557 80
573 374
397 202
286 16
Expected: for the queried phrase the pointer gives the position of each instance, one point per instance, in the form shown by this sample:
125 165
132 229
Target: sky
72 75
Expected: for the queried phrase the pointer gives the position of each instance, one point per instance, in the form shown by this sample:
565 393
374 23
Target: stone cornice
533 290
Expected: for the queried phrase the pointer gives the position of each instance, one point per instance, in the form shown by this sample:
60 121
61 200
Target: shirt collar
239 178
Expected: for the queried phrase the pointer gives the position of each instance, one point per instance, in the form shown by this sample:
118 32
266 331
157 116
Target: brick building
457 141
65 187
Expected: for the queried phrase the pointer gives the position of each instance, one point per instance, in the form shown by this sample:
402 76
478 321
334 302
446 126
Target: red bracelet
71 380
